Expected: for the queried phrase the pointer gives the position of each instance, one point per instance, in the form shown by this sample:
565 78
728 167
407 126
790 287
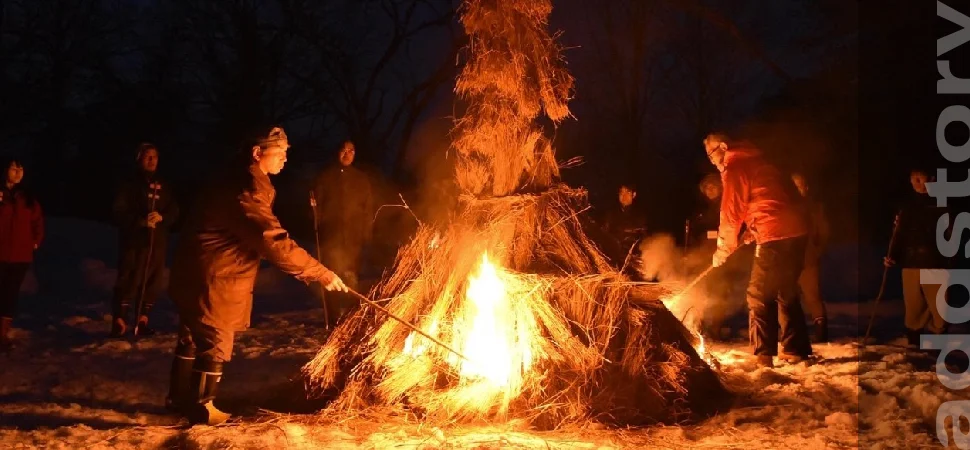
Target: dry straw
593 346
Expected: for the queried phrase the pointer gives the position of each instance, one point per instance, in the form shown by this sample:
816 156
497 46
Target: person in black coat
624 225
916 249
345 213
144 211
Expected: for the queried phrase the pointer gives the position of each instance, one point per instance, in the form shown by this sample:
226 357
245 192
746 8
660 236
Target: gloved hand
747 238
153 219
720 256
333 283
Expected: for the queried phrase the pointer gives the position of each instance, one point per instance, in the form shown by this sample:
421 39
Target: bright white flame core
490 343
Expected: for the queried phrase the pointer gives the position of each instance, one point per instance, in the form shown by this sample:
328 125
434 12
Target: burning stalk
384 310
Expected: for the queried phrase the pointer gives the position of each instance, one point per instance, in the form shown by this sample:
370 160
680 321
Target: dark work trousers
208 343
773 299
11 277
344 259
131 274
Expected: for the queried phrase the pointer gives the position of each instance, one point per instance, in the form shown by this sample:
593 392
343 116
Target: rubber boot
6 324
821 329
142 328
180 379
205 379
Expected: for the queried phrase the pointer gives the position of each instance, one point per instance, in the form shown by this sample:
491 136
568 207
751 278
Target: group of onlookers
751 200
145 211
232 227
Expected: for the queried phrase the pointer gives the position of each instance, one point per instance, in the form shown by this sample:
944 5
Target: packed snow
67 386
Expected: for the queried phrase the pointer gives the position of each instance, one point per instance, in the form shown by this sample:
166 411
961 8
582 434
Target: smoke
716 298
659 259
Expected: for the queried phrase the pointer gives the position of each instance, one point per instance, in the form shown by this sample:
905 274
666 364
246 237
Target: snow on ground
66 386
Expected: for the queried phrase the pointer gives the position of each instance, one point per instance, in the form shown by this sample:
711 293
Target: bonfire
528 320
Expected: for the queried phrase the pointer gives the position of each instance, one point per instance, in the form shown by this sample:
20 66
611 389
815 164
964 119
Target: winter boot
180 379
912 338
204 381
6 324
796 359
821 329
142 328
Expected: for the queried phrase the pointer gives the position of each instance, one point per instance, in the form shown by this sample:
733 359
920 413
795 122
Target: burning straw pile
545 329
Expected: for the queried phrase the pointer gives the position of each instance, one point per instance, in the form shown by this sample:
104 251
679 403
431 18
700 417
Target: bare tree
376 65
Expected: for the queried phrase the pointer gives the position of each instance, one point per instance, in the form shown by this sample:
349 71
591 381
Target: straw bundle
599 349
578 342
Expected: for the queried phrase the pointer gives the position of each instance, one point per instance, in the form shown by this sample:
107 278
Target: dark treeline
85 81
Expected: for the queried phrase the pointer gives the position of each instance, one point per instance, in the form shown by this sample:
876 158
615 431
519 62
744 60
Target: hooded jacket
756 193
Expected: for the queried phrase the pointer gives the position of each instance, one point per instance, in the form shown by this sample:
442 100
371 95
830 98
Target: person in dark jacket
624 225
757 195
21 233
144 211
231 228
916 249
703 226
345 212
818 238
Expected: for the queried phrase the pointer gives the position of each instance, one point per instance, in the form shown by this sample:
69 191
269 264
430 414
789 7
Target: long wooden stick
703 274
406 323
882 286
316 237
148 261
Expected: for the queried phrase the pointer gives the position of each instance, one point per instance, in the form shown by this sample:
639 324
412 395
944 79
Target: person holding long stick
345 215
144 211
916 249
756 194
231 229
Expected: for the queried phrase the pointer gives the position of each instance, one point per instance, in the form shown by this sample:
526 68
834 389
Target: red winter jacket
21 227
756 193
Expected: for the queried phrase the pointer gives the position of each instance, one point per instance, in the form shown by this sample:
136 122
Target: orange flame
490 343
489 330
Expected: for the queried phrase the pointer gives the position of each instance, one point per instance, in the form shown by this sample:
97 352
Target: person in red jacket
758 195
21 232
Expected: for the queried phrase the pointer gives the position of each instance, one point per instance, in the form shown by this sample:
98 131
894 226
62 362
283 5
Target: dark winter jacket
757 194
135 199
21 226
230 229
345 206
915 246
625 226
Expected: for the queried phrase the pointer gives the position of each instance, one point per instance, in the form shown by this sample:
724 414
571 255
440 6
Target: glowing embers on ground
495 329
